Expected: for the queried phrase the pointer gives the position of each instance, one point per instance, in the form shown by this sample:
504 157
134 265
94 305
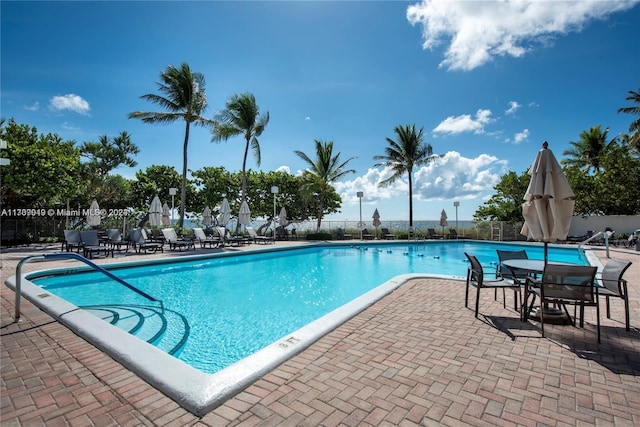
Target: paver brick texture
416 357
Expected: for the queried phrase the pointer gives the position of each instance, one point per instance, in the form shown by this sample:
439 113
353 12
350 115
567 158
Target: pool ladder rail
78 257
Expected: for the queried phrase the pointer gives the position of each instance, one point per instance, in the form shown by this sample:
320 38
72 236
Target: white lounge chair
257 238
204 240
174 242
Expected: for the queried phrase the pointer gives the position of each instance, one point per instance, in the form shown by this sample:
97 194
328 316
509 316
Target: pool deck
416 357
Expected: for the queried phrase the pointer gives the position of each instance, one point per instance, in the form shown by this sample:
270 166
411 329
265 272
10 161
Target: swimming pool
257 304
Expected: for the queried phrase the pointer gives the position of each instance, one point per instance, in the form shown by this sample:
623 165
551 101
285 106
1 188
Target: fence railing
42 229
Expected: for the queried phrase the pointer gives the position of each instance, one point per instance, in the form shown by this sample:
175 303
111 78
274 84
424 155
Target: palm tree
585 153
183 96
634 127
402 155
241 117
323 171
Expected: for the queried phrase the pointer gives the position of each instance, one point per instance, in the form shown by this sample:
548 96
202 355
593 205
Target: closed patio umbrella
225 213
166 215
155 212
206 216
376 220
93 217
443 221
282 218
244 216
548 206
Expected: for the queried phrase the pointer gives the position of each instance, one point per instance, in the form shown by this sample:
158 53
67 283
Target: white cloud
477 31
521 136
465 123
286 169
70 102
450 176
33 107
513 107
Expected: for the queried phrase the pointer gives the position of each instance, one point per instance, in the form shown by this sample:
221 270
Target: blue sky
488 82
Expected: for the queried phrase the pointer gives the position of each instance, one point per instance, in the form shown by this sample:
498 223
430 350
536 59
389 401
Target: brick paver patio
417 357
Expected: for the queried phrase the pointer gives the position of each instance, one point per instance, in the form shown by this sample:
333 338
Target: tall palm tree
585 153
324 170
241 117
634 127
403 154
183 96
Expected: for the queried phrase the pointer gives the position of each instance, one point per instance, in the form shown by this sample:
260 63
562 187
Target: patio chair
174 242
139 242
343 236
72 240
205 240
613 285
386 235
433 234
566 284
366 235
516 275
257 238
115 240
91 244
476 278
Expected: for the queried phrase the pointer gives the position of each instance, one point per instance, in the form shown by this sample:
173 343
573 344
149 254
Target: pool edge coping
194 390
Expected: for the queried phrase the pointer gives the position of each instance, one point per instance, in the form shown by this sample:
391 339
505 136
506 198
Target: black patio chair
566 284
613 285
476 278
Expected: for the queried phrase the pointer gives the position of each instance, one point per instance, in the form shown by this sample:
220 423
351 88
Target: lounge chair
116 241
453 234
613 285
386 235
564 284
228 238
91 244
281 233
257 238
204 240
139 242
476 278
72 240
433 234
174 242
366 235
343 236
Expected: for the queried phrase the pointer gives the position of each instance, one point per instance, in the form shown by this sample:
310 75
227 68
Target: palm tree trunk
243 197
183 189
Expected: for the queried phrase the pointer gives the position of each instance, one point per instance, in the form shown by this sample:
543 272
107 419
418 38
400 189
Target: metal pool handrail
77 257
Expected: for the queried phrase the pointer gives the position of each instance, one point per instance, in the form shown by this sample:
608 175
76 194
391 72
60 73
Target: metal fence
51 229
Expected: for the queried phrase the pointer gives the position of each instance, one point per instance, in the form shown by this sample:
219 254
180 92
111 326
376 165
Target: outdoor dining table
536 267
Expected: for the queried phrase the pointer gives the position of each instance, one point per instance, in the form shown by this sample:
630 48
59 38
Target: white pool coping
194 390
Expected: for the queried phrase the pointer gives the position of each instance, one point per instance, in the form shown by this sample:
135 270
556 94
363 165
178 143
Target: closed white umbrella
282 218
155 212
206 216
166 215
225 213
244 216
443 221
93 217
376 220
548 206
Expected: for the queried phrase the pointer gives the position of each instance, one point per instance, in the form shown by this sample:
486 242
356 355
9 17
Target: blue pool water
221 309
